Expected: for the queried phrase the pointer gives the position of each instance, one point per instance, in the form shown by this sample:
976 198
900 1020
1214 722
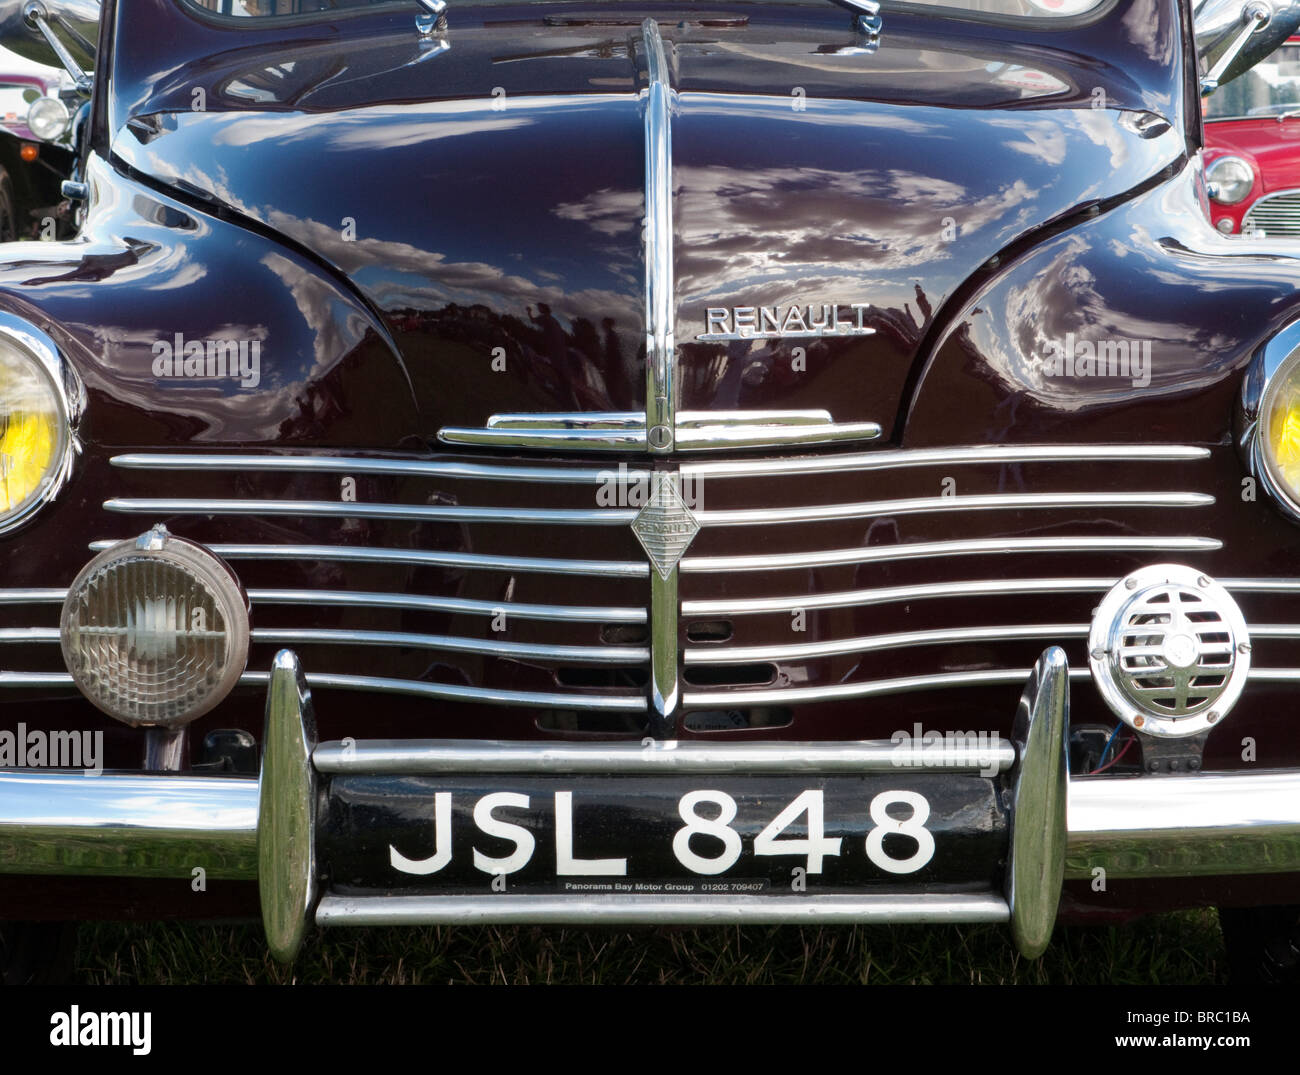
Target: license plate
769 834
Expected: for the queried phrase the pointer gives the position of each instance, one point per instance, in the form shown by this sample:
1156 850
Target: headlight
1229 179
1279 431
155 630
38 401
48 118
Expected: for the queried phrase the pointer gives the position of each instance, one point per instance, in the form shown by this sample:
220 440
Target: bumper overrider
326 829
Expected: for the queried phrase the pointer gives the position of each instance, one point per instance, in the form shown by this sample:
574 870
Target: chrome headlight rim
1110 622
1272 366
1218 165
69 397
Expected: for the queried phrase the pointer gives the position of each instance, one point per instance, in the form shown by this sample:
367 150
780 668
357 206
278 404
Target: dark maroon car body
978 214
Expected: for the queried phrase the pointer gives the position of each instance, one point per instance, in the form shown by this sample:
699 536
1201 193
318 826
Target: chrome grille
1273 215
574 572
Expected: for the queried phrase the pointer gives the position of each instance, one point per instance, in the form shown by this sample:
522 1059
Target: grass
1172 949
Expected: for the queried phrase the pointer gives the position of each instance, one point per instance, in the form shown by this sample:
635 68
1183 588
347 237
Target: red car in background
1252 149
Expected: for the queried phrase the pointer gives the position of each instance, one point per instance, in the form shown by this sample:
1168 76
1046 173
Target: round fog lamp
155 630
48 118
1169 651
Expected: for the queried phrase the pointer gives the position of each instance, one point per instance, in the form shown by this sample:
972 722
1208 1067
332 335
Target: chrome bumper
240 828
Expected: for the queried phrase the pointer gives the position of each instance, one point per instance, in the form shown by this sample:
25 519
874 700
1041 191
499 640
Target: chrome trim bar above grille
599 437
628 569
694 431
871 756
721 430
924 549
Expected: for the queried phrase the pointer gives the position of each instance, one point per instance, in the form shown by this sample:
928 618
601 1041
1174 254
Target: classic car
582 462
1252 149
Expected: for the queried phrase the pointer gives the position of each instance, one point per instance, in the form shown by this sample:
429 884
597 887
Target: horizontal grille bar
925 505
860 461
514 650
413 602
434 513
464 606
730 606
448 692
958 456
926 549
991 677
833 692
451 692
892 594
402 468
29 634
719 699
425 558
874 643
428 513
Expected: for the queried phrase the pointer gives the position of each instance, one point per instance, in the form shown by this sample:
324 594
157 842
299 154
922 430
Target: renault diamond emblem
665 526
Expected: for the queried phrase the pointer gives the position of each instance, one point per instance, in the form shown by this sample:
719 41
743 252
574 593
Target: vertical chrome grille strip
660 403
660 390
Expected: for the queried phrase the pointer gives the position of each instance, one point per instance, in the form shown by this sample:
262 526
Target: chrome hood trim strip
660 357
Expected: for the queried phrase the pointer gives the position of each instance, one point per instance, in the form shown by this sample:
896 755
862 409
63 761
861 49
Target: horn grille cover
1169 650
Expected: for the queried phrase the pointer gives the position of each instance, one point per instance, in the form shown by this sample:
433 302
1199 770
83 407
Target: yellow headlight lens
33 431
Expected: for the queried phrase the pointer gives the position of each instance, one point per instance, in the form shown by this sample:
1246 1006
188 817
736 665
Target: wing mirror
58 33
1232 36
